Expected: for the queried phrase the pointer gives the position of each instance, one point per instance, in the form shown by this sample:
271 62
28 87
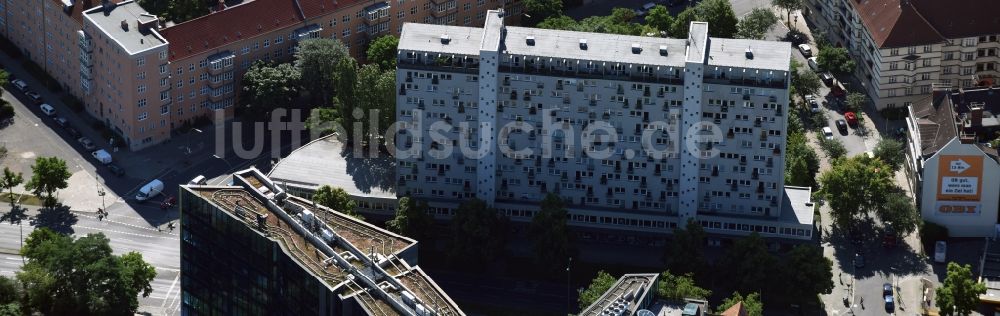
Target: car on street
20 85
72 132
47 109
890 302
827 78
842 127
805 50
116 170
940 251
859 260
851 118
34 96
168 202
61 121
827 132
813 103
87 143
813 63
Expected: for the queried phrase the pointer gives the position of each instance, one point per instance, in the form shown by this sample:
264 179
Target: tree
685 254
855 101
751 303
560 22
855 186
550 235
679 287
898 212
9 291
478 234
805 82
337 200
756 24
376 95
412 220
802 162
67 276
891 151
834 148
49 174
539 10
749 265
835 59
176 11
268 87
788 6
600 284
9 181
317 60
959 294
718 13
659 18
807 274
382 52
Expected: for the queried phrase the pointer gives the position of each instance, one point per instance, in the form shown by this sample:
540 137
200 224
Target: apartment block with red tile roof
907 48
142 96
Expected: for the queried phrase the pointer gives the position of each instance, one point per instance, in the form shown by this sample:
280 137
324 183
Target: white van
149 190
20 85
47 109
200 179
102 155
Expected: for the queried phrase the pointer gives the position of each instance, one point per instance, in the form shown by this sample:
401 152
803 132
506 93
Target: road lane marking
125 233
178 277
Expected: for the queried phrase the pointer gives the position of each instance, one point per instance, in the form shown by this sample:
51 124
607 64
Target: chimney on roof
125 25
976 115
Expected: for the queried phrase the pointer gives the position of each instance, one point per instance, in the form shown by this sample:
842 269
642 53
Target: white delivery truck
149 190
102 155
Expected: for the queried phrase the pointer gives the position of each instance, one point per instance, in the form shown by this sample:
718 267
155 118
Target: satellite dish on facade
644 312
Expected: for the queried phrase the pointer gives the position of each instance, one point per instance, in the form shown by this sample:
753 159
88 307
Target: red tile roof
243 21
900 23
735 310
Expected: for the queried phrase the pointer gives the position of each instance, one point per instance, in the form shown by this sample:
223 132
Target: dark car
168 202
890 302
72 132
34 96
842 127
87 143
61 121
116 170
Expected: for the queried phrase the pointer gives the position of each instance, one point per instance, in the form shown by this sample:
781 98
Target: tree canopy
679 287
805 82
600 284
890 151
382 52
336 199
176 11
376 96
549 234
835 59
318 60
959 294
9 180
788 6
855 186
67 276
751 302
749 264
685 253
539 10
718 13
899 213
802 162
834 148
270 86
807 273
854 101
756 24
618 22
478 234
49 174
659 18
412 219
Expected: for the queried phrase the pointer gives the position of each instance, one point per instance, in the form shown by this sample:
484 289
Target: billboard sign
960 178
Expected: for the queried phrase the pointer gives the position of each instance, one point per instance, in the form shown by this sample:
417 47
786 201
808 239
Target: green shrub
6 111
932 232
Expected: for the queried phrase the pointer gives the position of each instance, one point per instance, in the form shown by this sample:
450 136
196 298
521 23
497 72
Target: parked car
61 121
813 104
149 190
116 170
842 127
940 251
34 96
827 132
20 85
103 156
47 109
827 78
87 144
813 63
851 118
168 202
805 50
199 180
72 132
890 302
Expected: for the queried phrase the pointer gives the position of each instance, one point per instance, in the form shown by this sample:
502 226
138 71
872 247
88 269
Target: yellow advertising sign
960 178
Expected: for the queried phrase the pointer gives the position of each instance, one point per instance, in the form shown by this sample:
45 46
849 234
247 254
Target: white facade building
635 133
957 191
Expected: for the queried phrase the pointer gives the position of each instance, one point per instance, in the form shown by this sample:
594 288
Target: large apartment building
532 110
906 48
252 249
144 77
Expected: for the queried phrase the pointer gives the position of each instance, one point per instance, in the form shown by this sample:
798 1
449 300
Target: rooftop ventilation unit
636 48
583 43
663 50
530 40
445 39
749 53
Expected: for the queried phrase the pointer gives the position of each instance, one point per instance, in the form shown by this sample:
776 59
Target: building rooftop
698 38
599 46
127 24
900 23
325 162
353 258
797 206
244 21
625 295
688 307
77 7
770 55
935 122
429 38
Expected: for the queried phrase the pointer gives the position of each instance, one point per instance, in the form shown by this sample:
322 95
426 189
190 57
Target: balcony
377 13
774 83
444 9
86 73
84 42
221 62
306 32
85 60
439 62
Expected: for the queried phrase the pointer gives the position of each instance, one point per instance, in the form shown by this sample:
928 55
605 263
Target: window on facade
165 95
164 110
163 69
141 88
143 116
141 61
141 103
894 52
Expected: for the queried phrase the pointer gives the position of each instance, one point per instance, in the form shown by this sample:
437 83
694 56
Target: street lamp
223 159
569 264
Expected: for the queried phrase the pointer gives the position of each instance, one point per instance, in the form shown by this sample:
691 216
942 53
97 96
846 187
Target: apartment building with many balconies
91 48
621 127
906 48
